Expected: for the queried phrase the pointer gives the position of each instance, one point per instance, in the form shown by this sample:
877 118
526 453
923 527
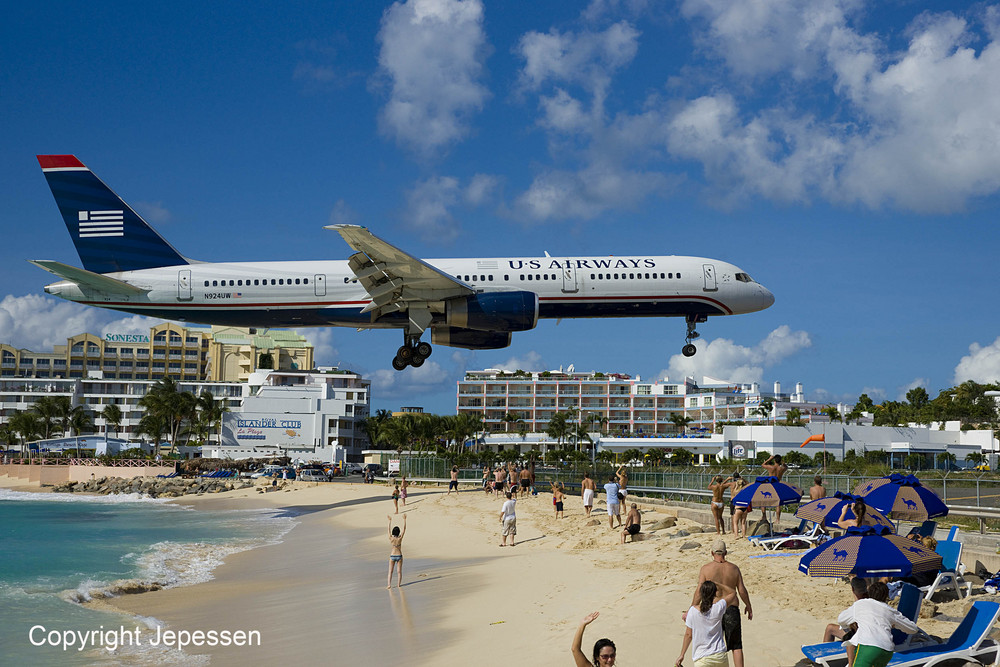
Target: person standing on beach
633 523
705 627
402 489
605 652
531 475
729 579
622 478
499 476
775 468
718 487
486 477
509 520
589 488
395 497
817 490
739 513
396 554
525 475
614 500
453 484
558 495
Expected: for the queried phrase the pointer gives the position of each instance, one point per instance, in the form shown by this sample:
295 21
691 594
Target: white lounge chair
812 537
950 577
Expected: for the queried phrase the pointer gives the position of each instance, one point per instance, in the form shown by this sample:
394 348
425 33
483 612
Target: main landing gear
413 353
689 350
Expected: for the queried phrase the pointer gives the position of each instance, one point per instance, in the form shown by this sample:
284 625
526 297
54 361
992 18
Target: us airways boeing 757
474 303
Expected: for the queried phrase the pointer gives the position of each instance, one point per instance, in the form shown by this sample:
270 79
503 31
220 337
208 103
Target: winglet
51 162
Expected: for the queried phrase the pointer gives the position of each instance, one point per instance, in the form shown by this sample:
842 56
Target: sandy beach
320 594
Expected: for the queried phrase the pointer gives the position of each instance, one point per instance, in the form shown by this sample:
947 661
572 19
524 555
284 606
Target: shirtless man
453 484
718 487
817 490
525 480
633 521
499 476
622 476
728 578
775 468
589 488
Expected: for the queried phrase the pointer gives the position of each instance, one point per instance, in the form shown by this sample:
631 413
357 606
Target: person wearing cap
729 580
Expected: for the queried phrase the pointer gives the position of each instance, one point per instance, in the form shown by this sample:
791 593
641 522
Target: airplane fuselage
326 293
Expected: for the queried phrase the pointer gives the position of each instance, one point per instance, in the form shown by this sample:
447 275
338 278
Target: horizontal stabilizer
85 278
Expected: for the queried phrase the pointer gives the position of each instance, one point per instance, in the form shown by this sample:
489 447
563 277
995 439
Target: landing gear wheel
417 361
398 363
689 350
424 349
405 353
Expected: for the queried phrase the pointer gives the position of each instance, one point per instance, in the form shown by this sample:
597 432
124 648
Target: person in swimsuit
622 476
453 484
500 475
589 488
740 513
525 476
396 554
633 521
558 496
486 478
395 497
402 489
718 487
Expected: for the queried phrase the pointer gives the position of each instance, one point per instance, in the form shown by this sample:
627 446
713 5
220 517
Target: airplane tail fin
109 236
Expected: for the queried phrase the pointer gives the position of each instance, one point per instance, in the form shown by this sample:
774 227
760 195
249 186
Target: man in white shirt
875 620
508 519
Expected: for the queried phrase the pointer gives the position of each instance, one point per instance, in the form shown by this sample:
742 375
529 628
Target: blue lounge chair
950 576
925 529
970 642
833 654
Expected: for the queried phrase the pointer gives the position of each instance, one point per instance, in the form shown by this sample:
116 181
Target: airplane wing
396 280
85 278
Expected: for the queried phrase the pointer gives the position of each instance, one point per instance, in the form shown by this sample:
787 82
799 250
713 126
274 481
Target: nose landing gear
689 350
413 352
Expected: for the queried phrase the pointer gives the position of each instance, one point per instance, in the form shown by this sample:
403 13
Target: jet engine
469 338
493 311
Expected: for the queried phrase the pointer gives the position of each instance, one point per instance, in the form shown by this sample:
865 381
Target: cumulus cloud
724 359
38 323
429 204
324 352
982 364
529 361
428 379
913 130
431 59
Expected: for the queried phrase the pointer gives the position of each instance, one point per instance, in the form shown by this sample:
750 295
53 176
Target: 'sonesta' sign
126 338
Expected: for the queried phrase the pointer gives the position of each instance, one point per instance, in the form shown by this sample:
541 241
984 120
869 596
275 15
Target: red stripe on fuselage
587 299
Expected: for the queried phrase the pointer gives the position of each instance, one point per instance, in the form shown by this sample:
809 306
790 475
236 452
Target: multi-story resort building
184 353
726 420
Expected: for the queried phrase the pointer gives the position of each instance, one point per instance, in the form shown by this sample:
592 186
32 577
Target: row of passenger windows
256 281
635 276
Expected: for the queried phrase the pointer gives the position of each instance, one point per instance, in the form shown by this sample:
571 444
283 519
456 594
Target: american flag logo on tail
101 223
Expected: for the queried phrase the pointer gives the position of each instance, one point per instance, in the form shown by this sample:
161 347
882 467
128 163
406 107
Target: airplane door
710 283
319 284
569 280
184 285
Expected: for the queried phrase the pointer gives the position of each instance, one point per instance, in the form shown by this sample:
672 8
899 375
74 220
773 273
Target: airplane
472 303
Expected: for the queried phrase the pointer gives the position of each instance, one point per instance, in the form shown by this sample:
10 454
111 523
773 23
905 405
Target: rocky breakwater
155 487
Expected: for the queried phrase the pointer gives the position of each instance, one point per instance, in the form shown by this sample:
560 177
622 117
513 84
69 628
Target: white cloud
38 323
724 359
982 364
529 361
432 59
913 384
321 338
342 214
428 379
481 189
428 208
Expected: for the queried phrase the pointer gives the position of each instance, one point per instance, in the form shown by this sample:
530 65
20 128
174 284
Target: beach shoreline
319 594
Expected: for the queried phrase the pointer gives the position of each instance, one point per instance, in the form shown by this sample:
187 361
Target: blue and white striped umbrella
869 551
902 497
767 492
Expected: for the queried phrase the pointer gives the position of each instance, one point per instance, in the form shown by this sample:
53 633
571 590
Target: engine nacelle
469 338
494 311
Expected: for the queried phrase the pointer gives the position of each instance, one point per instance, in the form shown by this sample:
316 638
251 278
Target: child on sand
402 489
396 555
558 495
395 497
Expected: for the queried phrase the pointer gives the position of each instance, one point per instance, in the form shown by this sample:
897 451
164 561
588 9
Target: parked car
311 475
266 471
375 468
353 468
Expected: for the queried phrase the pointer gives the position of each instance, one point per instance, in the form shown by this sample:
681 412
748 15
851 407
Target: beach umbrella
826 511
869 551
902 497
767 492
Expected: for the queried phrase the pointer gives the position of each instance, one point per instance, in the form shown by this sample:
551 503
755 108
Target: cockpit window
744 278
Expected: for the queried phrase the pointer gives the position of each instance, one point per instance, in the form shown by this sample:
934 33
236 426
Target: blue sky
844 153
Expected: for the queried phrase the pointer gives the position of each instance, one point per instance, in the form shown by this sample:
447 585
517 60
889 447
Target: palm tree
680 421
209 415
45 408
79 421
27 425
112 416
832 412
764 410
793 417
154 425
373 426
558 428
170 405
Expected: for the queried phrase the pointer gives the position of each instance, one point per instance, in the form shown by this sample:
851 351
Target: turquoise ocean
57 550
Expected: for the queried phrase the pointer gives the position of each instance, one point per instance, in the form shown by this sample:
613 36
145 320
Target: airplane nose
766 298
